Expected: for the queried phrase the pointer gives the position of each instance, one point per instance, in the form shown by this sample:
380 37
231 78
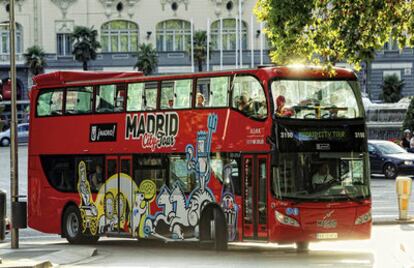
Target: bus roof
72 78
79 77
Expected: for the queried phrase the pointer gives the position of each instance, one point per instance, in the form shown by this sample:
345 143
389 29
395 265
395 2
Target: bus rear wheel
72 227
213 228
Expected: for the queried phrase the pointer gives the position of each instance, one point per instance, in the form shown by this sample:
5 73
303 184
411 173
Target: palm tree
200 48
85 44
35 60
147 59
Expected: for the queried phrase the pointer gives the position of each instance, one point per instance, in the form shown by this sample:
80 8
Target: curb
392 221
28 264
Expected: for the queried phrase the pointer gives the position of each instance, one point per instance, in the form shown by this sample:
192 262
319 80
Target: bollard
403 185
3 211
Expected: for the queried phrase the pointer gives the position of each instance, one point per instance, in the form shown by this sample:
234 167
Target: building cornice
63 5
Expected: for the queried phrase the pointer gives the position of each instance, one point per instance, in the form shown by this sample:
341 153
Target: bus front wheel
213 228
72 227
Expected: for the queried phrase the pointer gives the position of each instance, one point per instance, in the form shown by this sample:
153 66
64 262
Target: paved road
385 206
390 246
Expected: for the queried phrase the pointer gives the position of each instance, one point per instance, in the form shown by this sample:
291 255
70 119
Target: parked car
390 159
22 135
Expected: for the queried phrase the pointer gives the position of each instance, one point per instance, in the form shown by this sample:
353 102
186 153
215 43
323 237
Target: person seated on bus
97 178
200 100
321 176
244 105
281 109
170 103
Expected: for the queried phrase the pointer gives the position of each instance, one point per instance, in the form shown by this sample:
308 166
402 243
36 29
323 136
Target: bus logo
102 132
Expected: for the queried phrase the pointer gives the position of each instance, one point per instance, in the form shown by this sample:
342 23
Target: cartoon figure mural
228 203
182 215
121 205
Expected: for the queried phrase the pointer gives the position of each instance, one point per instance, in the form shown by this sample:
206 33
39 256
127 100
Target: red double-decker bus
276 154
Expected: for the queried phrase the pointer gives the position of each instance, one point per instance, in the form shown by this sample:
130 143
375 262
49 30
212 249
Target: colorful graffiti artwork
122 206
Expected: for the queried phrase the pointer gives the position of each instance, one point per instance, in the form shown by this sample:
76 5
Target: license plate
326 235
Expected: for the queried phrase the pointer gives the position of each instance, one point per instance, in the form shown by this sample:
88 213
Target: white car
22 135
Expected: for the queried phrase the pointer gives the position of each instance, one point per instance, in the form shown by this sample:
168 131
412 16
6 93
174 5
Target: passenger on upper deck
200 100
281 109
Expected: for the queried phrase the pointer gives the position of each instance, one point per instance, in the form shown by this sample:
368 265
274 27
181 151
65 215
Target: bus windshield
306 99
321 177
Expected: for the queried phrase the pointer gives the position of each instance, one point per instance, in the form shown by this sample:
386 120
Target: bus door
255 177
119 194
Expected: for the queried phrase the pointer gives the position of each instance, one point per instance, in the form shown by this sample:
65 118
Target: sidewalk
42 254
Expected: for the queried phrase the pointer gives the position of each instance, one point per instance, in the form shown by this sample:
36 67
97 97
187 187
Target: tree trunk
200 66
85 65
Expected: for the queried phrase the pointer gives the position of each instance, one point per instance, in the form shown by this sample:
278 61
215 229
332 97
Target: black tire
72 227
390 171
213 229
5 142
302 247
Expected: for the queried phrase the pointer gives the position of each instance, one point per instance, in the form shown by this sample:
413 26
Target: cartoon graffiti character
137 212
87 207
228 202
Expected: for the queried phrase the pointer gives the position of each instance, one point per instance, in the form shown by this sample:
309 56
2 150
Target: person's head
200 99
98 169
243 100
170 103
280 101
407 133
324 169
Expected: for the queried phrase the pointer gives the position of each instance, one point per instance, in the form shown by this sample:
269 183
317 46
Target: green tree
409 116
327 31
35 60
85 44
391 89
147 59
200 48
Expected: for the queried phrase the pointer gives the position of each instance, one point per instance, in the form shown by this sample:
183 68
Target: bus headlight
283 219
363 218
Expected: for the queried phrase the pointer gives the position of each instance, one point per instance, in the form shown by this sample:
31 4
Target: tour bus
274 154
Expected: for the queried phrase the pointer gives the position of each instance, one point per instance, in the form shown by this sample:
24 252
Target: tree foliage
391 89
35 60
409 116
327 31
147 59
85 44
200 48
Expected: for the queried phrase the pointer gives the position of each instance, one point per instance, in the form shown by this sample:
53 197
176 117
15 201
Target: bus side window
150 168
79 100
176 94
105 99
135 97
120 98
249 97
150 96
178 172
215 91
50 103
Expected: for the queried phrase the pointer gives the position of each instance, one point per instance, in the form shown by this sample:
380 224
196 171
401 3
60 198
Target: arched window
119 36
173 35
5 38
229 34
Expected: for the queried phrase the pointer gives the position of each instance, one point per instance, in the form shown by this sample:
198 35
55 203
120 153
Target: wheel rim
390 171
5 142
72 225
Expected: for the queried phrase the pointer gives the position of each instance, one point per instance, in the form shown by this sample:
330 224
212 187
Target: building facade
169 26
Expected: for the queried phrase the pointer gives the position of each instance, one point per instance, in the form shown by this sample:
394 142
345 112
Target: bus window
79 100
94 171
249 97
60 172
150 168
135 95
150 96
179 172
50 103
105 99
176 94
120 98
215 91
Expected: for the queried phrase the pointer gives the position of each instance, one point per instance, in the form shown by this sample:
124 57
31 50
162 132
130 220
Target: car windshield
318 99
321 177
389 148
